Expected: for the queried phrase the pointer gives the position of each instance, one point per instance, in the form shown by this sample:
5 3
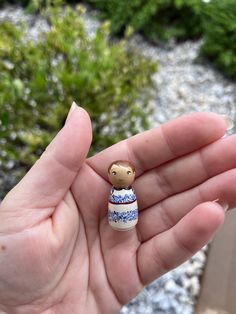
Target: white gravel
183 85
173 293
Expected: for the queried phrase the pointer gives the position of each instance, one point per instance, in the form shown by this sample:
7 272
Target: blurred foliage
32 6
156 19
219 44
40 79
161 20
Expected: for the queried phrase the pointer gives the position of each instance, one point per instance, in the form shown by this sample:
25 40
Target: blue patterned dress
122 209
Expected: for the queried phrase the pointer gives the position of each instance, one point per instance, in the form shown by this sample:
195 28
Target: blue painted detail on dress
123 216
119 199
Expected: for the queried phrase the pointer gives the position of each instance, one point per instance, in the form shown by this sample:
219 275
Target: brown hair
122 163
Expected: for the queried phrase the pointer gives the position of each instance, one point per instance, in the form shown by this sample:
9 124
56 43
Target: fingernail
228 121
72 108
222 203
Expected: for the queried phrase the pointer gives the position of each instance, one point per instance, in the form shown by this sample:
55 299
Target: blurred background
132 65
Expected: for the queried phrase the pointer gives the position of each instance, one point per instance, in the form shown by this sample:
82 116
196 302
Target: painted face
121 176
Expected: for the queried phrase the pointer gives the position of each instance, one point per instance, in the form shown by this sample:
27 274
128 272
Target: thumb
52 175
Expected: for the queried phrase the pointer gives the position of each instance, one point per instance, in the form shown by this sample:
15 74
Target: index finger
154 147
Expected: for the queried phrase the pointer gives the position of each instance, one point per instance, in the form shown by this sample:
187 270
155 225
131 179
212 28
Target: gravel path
183 85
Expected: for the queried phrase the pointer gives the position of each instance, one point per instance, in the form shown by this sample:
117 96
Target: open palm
58 253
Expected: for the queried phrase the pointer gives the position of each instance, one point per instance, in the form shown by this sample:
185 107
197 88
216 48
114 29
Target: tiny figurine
122 206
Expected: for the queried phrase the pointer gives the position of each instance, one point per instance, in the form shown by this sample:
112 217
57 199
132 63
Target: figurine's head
121 173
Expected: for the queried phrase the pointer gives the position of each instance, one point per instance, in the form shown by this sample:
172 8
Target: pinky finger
169 249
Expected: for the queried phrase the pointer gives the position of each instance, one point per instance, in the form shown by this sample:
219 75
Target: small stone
170 286
10 164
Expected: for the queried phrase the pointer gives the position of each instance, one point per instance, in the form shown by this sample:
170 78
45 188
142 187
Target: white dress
122 209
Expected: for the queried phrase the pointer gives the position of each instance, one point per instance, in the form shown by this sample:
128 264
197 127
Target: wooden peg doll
122 206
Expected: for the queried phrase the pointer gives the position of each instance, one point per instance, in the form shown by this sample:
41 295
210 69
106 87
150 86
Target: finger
159 145
169 212
51 176
166 251
185 172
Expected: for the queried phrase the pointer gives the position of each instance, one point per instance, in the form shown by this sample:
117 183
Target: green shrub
156 19
39 80
220 35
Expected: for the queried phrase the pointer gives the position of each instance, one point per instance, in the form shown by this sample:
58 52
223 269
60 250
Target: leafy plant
220 35
156 19
40 79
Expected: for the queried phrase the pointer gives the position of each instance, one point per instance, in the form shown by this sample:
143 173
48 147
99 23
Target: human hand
58 253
